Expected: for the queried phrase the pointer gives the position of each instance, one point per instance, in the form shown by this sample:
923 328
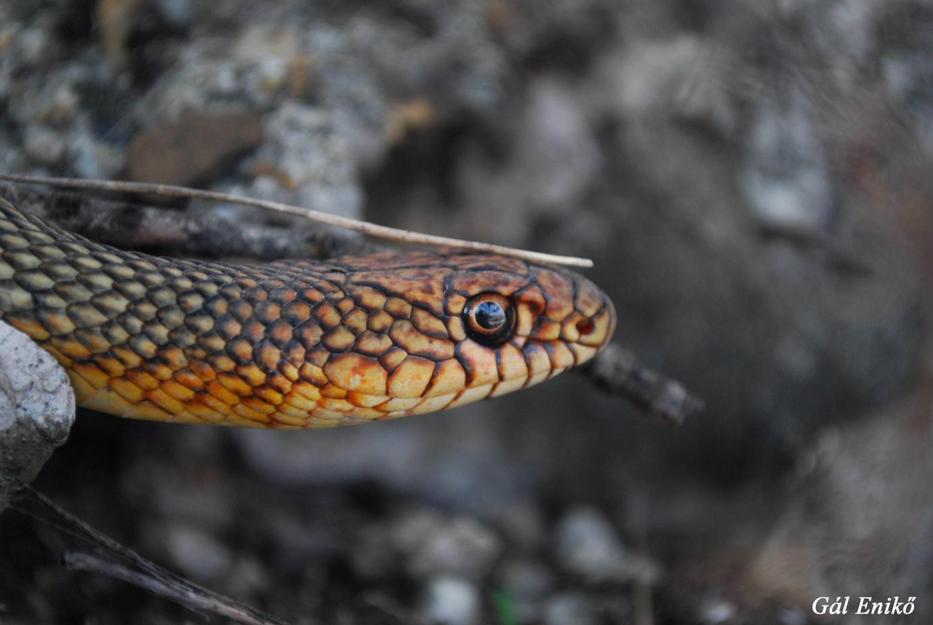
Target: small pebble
64 104
568 609
44 145
716 611
792 616
450 601
33 44
314 156
91 158
786 179
273 72
178 12
587 545
435 544
197 552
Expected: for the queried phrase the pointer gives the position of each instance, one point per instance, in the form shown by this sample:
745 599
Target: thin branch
363 227
183 594
618 371
134 226
136 569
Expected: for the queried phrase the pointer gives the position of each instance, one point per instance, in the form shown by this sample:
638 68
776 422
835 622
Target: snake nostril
585 326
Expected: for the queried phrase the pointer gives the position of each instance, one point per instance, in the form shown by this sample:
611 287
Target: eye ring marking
489 319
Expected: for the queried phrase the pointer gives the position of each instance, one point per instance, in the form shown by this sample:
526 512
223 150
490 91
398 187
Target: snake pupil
489 315
489 319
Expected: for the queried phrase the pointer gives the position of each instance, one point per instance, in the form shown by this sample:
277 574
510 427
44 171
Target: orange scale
260 406
269 395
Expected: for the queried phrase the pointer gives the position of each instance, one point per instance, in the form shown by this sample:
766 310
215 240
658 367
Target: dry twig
138 227
125 564
618 371
369 229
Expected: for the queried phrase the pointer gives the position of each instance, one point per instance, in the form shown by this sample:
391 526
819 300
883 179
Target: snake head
534 321
489 325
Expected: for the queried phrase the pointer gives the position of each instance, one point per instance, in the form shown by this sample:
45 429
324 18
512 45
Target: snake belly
291 344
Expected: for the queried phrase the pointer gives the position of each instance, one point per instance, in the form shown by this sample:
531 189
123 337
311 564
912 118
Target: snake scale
292 344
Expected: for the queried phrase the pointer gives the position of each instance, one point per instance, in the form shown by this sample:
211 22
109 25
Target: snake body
293 344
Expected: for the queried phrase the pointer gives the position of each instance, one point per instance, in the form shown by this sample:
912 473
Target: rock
435 544
425 543
587 545
37 409
197 552
33 45
44 145
92 158
310 159
177 12
450 601
569 609
717 611
786 176
195 148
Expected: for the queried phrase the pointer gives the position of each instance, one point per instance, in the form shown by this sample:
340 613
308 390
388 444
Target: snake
297 343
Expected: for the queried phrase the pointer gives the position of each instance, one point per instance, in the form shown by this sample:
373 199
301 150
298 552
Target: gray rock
717 611
786 177
306 148
44 145
178 12
37 409
569 609
425 543
197 552
586 544
450 601
436 544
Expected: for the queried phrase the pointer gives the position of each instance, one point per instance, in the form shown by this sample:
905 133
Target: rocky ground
752 181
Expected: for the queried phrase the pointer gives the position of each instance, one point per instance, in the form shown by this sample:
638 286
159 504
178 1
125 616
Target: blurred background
753 181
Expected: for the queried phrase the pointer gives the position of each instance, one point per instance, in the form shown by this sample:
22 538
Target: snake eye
489 319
